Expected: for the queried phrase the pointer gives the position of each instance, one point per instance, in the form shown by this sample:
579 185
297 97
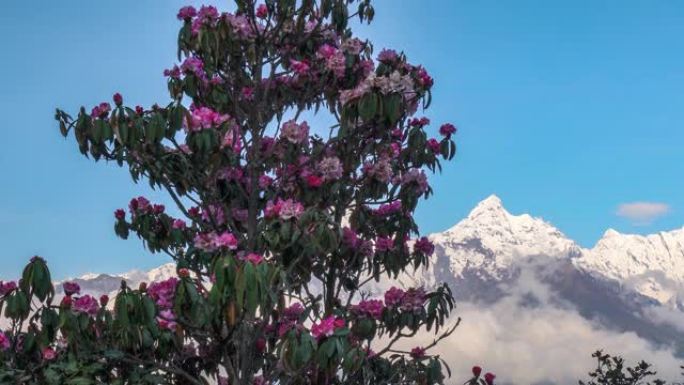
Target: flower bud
118 99
476 371
104 300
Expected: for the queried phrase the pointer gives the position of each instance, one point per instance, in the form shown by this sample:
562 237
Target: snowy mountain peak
611 233
492 238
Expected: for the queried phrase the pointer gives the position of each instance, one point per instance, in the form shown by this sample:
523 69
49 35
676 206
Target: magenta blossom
120 214
424 246
326 327
372 308
394 296
101 111
300 67
226 240
417 353
383 244
167 320
7 287
290 209
253 258
205 117
86 305
447 130
295 133
49 354
387 56
71 288
261 11
489 378
179 224
4 341
163 292
187 13
293 312
433 145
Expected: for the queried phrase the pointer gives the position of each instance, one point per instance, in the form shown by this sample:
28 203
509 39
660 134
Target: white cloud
550 343
642 213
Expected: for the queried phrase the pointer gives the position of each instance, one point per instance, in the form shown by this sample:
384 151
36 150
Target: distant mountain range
627 283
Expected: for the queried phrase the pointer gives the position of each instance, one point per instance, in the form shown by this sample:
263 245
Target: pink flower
226 240
167 320
295 133
447 130
424 246
139 205
387 56
7 287
254 258
248 93
415 176
331 168
174 73
413 299
265 181
350 238
326 327
476 371
290 209
118 99
214 214
314 181
300 67
261 11
383 244
101 111
433 145
86 305
293 312
4 341
326 51
187 13
205 117
394 296
71 288
104 300
179 224
372 308
417 353
163 292
489 378
120 214
49 354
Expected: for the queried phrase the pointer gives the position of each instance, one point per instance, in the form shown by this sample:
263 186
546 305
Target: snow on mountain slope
493 239
652 265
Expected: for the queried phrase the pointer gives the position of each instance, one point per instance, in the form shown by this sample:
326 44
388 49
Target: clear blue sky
565 109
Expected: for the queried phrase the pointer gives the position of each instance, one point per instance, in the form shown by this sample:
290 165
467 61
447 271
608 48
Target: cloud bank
642 213
540 342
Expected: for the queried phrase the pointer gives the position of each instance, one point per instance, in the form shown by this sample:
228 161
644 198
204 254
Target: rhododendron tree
283 225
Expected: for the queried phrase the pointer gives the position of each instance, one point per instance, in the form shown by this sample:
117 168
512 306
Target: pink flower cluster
71 288
381 170
417 353
214 214
290 318
330 168
388 208
4 341
410 300
335 60
326 327
7 287
447 130
284 209
383 244
141 205
415 176
101 111
167 320
372 308
212 241
163 292
433 145
253 258
295 133
86 305
300 67
205 117
424 246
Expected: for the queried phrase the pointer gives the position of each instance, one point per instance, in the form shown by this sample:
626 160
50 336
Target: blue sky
566 110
